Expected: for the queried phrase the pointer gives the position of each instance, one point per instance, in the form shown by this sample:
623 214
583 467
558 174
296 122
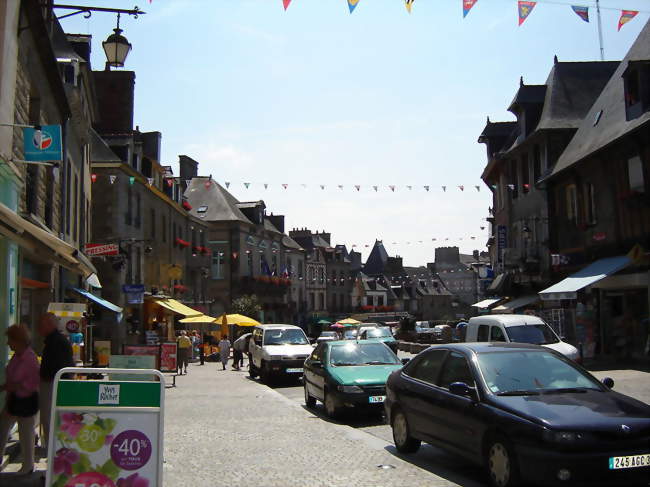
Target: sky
318 96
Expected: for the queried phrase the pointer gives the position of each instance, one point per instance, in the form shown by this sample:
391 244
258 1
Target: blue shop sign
134 293
43 145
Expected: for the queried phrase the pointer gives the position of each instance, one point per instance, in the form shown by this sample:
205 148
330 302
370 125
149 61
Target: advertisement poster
103 352
168 357
143 350
105 449
134 293
132 362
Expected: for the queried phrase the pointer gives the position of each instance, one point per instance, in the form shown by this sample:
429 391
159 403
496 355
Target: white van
278 350
517 328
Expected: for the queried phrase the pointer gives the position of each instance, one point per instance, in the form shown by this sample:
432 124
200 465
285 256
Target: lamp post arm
80 9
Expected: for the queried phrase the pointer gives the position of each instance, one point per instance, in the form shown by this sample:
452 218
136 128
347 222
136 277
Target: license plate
631 461
294 371
376 399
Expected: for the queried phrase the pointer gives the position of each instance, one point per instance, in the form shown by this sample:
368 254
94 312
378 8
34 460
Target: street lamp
116 47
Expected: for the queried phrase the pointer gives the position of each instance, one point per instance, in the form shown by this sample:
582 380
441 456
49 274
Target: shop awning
199 319
96 299
486 303
515 304
569 287
67 310
36 239
176 307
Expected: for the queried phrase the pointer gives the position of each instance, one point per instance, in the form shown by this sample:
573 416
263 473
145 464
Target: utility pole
600 31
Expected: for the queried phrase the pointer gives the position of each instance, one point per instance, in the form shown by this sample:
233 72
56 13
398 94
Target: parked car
379 334
351 333
525 412
517 328
327 336
278 350
348 374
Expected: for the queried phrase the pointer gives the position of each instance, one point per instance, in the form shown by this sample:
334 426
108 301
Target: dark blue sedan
524 412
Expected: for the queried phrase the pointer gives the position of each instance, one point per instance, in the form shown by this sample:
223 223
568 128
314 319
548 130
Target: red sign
142 350
168 361
101 249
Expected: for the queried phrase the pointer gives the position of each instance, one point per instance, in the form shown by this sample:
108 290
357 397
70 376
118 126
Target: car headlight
350 389
562 436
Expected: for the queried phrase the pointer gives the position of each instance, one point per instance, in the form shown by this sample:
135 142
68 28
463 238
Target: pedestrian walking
57 354
224 351
183 351
21 386
238 349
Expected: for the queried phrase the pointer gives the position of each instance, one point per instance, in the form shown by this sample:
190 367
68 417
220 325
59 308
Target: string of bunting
524 9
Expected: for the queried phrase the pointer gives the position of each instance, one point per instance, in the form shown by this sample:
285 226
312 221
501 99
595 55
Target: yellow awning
176 307
236 319
67 310
199 319
349 321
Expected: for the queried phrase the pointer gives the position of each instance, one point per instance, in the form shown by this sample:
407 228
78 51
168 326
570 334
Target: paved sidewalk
224 429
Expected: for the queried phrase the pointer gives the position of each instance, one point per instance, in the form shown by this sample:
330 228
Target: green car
379 334
346 374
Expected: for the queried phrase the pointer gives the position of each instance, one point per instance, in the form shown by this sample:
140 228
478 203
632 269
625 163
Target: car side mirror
462 389
405 360
317 364
609 382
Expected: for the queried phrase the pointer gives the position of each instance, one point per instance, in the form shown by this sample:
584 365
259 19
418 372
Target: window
300 268
249 260
427 368
590 204
138 210
632 88
274 264
217 264
482 335
380 300
129 206
31 188
49 197
164 229
202 209
68 184
635 174
321 301
75 209
571 202
525 174
514 180
496 334
537 163
455 369
636 79
152 218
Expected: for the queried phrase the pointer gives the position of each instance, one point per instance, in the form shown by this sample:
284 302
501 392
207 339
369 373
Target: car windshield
540 334
350 334
532 372
362 354
328 334
378 333
285 337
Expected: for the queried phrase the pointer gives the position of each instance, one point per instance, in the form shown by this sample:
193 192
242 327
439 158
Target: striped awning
176 307
67 310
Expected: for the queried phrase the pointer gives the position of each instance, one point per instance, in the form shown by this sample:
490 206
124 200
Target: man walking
184 351
224 351
238 348
57 354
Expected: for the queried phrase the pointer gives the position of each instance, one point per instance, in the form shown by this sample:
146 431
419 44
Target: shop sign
42 144
502 241
134 293
97 250
106 433
132 362
168 357
153 350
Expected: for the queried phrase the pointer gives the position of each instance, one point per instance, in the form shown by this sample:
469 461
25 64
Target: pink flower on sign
71 424
64 459
108 439
133 480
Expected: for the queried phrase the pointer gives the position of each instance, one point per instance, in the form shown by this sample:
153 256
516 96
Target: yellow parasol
235 319
198 319
349 321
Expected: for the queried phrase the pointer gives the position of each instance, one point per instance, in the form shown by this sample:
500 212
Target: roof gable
216 203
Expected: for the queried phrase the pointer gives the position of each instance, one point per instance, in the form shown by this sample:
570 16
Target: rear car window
455 369
427 367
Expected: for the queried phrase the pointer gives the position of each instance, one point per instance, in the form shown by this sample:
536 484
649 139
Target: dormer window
636 79
202 209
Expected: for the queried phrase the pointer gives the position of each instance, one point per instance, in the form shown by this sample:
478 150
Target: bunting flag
392 188
170 182
478 188
93 177
626 16
525 8
427 188
247 185
409 5
462 188
375 188
286 4
352 4
285 186
227 185
322 186
357 187
511 187
188 182
235 255
409 187
150 181
444 189
304 185
266 186
131 180
467 6
340 186
112 178
582 12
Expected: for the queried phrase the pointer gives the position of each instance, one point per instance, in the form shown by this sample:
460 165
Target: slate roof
270 227
376 262
99 149
61 46
528 94
572 88
312 241
290 243
612 124
497 129
221 205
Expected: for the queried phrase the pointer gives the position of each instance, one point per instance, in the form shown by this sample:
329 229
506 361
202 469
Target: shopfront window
217 264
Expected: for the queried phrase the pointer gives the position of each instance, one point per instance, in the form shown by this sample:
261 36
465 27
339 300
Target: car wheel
402 438
331 408
310 401
265 373
253 372
501 463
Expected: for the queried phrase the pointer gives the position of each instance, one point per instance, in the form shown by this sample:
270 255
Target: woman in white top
224 351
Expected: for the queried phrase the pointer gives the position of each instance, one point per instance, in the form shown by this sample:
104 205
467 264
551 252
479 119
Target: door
314 374
256 346
418 391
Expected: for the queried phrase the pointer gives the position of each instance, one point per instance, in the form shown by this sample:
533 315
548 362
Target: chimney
277 221
115 97
189 168
326 236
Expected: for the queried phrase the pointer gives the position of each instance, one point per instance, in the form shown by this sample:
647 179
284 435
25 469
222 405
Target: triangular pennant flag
322 186
410 187
444 189
427 188
626 16
352 4
149 181
286 3
357 187
112 178
375 188
170 182
285 186
467 6
227 185
266 186
462 188
511 186
478 188
235 255
473 238
303 185
524 9
93 177
131 180
409 4
340 186
392 188
482 228
247 185
188 182
494 186
582 12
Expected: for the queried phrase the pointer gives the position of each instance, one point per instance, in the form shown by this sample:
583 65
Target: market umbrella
235 319
337 325
349 321
198 319
324 322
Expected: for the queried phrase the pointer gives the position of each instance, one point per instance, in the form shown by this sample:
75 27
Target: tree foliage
247 305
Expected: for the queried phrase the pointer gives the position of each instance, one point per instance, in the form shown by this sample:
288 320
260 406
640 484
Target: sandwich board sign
105 433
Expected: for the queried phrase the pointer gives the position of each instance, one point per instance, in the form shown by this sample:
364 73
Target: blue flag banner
43 145
582 12
352 4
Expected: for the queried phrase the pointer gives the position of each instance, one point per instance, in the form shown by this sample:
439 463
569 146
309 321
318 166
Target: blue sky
316 96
